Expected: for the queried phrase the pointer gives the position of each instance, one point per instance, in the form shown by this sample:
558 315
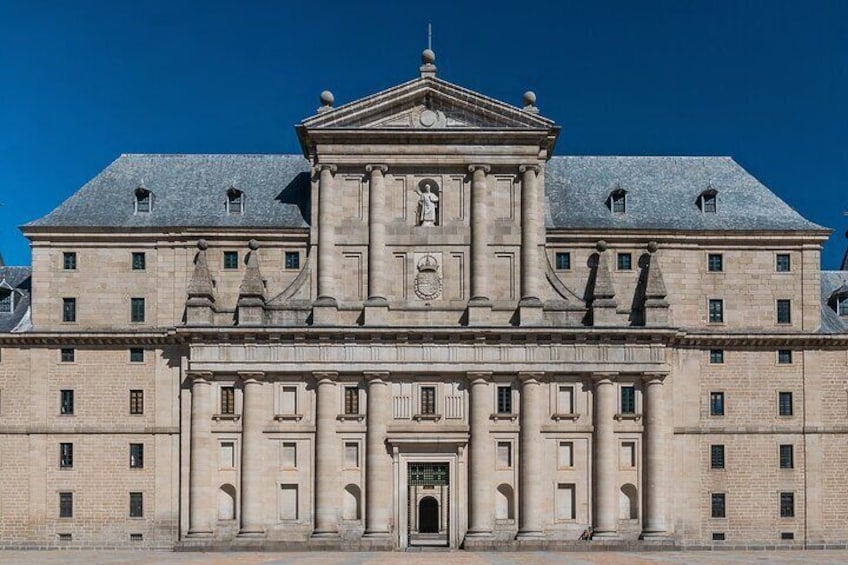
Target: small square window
716 457
69 261
428 400
66 455
783 263
716 404
625 261
504 400
136 401
66 505
292 259
717 505
69 309
67 355
628 400
66 404
787 505
563 261
139 261
228 400
137 310
231 259
784 311
715 262
784 403
784 356
136 355
136 456
136 505
787 456
716 311
716 356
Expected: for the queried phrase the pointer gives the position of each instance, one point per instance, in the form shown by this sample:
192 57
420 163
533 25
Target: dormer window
842 305
7 301
707 201
617 201
235 201
143 201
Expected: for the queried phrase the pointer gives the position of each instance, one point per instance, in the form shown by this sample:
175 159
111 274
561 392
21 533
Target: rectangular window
715 262
288 400
628 400
563 261
504 454
69 309
565 501
6 305
231 259
783 264
716 457
787 535
625 261
716 404
842 306
136 401
66 455
784 403
292 259
66 402
227 455
784 311
351 455
228 400
142 201
716 356
619 205
565 400
627 455
716 311
784 356
69 261
718 536
66 505
139 261
787 457
428 400
67 355
504 400
136 355
288 455
351 400
717 505
136 505
136 456
566 454
787 505
288 502
710 203
136 309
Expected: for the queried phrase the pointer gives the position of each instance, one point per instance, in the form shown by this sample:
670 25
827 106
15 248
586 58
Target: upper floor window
139 261
292 259
716 356
69 309
784 403
784 311
563 261
67 355
504 400
842 305
716 311
428 400
783 263
136 401
625 261
717 456
7 301
235 201
66 455
716 404
136 455
617 201
628 399
784 356
715 262
708 201
69 261
228 400
351 400
787 457
787 505
143 200
66 402
231 259
136 309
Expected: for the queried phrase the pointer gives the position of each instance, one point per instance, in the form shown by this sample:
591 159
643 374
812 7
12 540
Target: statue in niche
427 203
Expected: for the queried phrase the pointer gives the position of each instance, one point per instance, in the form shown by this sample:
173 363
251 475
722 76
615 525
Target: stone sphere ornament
253 244
428 57
529 98
202 244
327 98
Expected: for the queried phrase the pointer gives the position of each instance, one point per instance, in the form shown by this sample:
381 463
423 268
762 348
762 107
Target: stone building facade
427 330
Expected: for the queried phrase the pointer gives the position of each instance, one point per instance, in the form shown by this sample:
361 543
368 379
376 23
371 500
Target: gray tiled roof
18 278
190 191
831 281
662 193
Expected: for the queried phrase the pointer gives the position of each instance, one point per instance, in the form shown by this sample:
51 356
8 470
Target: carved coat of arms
428 282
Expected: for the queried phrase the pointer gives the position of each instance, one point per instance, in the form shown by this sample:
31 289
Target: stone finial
428 67
656 305
253 244
604 288
200 285
202 244
251 284
530 102
327 100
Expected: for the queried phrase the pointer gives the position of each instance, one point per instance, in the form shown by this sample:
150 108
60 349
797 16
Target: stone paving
86 557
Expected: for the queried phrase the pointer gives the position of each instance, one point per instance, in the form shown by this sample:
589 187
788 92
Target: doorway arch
428 515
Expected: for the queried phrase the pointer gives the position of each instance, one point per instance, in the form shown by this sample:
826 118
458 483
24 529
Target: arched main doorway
428 515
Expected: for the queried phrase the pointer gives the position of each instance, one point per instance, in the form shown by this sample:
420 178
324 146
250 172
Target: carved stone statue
427 203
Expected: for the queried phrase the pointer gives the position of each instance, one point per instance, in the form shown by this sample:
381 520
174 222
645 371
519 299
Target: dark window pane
717 457
783 263
139 262
5 301
784 402
625 261
231 259
142 201
787 504
784 311
504 400
66 402
717 506
69 309
66 455
718 536
715 262
351 400
628 400
136 355
228 400
67 355
784 356
69 260
292 259
619 205
716 356
137 309
428 400
66 505
136 402
136 505
787 457
716 311
842 306
710 203
716 404
563 261
136 455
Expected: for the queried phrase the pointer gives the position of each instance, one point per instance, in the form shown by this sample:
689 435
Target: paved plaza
74 557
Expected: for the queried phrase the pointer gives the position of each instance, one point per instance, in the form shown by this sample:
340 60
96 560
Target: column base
252 534
199 534
325 311
479 534
530 534
479 311
605 536
654 535
376 311
530 311
324 535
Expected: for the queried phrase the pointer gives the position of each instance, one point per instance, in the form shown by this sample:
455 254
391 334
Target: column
326 458
530 223
326 232
479 229
531 455
252 499
654 490
605 495
201 495
378 462
481 466
377 287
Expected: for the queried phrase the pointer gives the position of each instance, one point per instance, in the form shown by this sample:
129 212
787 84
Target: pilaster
480 468
378 464
201 494
605 491
326 457
654 494
531 454
252 499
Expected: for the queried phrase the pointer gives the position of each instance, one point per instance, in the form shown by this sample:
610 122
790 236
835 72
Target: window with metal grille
136 456
66 455
563 261
787 456
784 356
719 536
136 309
783 263
716 311
787 535
67 355
66 402
715 262
716 356
66 505
716 404
787 505
231 259
717 505
428 400
228 400
139 261
784 311
625 261
69 260
292 259
784 403
351 400
428 474
716 457
504 400
628 400
136 401
69 309
136 505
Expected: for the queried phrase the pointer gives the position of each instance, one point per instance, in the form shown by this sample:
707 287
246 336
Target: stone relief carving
428 200
428 281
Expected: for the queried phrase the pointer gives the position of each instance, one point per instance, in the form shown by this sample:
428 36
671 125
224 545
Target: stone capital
654 378
478 167
524 168
376 168
199 377
251 377
326 377
531 377
478 377
603 378
326 167
376 377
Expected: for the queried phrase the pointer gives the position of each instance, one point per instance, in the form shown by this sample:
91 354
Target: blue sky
82 82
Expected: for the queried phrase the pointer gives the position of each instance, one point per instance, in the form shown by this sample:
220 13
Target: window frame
138 261
784 357
786 456
136 402
624 261
842 305
504 401
427 407
136 509
136 455
67 355
718 405
716 356
291 260
618 201
717 457
715 260
66 455
783 315
66 504
718 505
69 260
785 404
227 400
228 257
138 312
351 401
565 264
779 267
69 310
4 294
631 388
715 315
143 203
235 201
136 355
787 504
66 402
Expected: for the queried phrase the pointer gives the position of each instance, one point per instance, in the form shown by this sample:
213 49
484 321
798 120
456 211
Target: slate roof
832 281
19 279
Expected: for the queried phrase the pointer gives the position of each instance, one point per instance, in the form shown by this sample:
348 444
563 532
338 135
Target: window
784 311
504 454
136 402
718 536
139 261
143 201
428 400
136 537
709 201
617 201
563 261
504 400
66 455
6 301
228 400
288 502
565 399
67 355
351 455
625 261
566 454
716 356
784 403
784 356
136 309
69 309
787 457
292 259
787 535
351 400
628 400
717 506
136 456
231 259
136 505
716 404
66 402
69 261
842 305
715 262
66 505
288 455
716 457
565 501
783 263
627 455
716 311
136 355
288 400
787 505
235 201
